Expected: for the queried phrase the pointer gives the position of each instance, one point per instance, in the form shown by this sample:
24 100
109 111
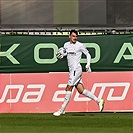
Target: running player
74 51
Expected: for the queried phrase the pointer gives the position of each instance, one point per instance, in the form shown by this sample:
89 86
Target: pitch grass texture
68 123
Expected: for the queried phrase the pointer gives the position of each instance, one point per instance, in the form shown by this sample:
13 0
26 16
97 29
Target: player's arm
88 56
88 68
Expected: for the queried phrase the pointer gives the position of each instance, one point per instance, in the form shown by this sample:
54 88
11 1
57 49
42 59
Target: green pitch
68 123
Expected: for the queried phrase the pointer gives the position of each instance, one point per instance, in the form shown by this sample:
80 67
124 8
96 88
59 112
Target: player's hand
59 56
88 68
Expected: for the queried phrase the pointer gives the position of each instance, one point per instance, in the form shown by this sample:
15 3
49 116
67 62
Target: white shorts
75 77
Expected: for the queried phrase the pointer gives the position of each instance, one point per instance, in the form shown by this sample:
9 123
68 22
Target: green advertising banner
23 53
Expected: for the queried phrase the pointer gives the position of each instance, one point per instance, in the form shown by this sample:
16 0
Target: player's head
73 36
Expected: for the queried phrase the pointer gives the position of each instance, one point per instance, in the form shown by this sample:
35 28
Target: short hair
75 31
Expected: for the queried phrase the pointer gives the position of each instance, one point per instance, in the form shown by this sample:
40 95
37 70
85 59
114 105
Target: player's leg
87 93
66 101
68 96
90 95
74 78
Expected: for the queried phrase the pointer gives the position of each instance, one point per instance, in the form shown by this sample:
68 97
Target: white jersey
74 54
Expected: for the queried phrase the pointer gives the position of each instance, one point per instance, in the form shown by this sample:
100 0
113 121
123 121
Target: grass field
68 123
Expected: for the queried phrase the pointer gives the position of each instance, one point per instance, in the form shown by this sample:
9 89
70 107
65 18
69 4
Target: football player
73 52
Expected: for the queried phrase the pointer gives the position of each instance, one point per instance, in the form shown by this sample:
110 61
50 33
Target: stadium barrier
25 53
44 92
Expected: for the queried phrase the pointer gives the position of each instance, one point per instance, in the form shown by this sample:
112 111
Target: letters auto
28 96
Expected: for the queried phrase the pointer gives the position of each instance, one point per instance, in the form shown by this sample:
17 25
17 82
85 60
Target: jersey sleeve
86 52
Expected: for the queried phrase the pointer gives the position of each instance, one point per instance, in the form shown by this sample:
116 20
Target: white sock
66 99
90 95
